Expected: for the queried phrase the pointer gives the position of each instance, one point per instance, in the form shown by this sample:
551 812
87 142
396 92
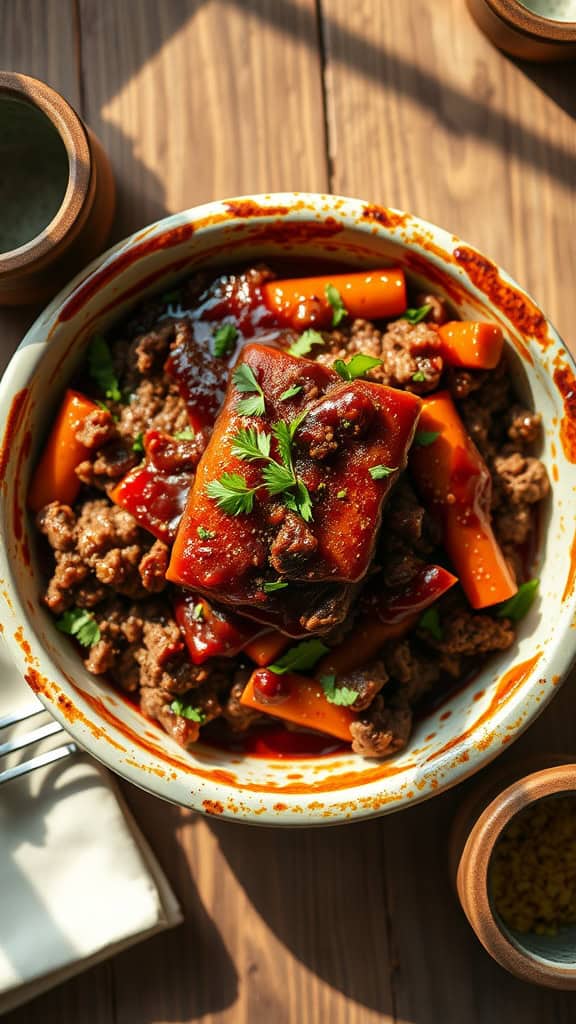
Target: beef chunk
466 633
367 681
96 429
400 563
293 546
383 729
410 350
328 610
108 465
513 523
416 673
238 716
521 478
152 567
58 523
438 313
524 426
408 521
463 383
156 704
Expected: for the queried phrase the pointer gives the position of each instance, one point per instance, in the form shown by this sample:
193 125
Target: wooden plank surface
195 100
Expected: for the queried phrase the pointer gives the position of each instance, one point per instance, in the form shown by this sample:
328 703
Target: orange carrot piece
468 343
264 650
302 302
298 699
455 482
54 477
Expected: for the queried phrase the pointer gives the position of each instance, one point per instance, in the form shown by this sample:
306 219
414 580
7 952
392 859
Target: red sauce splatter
566 383
571 579
12 423
212 807
387 218
176 236
248 208
518 308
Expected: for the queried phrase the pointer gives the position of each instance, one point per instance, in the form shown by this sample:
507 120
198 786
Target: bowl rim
350 801
472 881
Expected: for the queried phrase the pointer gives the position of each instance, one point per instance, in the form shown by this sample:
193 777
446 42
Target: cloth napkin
78 882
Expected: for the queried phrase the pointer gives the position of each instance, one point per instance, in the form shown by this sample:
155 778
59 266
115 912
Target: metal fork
34 707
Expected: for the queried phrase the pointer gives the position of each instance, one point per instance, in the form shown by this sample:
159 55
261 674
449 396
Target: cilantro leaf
342 494
225 340
138 445
517 607
303 345
343 696
270 588
381 472
300 502
339 311
198 611
185 435
299 658
232 494
430 622
101 368
277 478
251 445
291 392
283 436
425 437
415 316
245 382
184 710
419 377
356 367
205 534
77 622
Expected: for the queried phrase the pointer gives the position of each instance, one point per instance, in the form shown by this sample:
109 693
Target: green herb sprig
246 383
339 311
299 658
357 366
101 368
343 696
304 343
77 622
415 316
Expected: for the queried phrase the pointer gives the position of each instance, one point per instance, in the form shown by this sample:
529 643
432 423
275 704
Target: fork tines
26 739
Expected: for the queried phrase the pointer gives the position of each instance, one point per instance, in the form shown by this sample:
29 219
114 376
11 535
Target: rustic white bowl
472 727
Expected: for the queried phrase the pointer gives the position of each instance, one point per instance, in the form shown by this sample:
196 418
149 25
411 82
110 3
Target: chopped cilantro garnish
299 658
198 611
251 445
77 622
339 311
138 444
517 607
304 344
184 710
430 622
414 316
381 472
270 588
232 494
343 696
101 368
419 377
342 494
291 392
224 340
425 437
185 435
245 382
356 367
205 534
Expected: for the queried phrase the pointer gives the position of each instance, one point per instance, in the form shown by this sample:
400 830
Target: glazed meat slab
293 481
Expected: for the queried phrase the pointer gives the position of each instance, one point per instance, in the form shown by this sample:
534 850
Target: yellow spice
533 868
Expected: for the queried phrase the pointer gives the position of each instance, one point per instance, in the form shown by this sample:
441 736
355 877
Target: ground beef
238 716
438 313
108 465
400 563
329 610
470 634
415 672
96 429
513 523
155 404
153 565
293 546
58 523
383 729
366 681
524 426
522 479
405 517
462 383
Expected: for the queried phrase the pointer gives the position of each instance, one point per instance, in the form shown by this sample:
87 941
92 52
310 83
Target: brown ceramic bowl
56 192
540 959
523 33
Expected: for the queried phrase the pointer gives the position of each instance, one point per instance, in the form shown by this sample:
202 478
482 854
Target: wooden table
403 102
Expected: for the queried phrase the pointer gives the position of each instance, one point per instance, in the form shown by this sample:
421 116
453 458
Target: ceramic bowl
548 960
473 725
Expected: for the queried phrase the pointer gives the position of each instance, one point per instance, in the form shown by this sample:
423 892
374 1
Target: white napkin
78 882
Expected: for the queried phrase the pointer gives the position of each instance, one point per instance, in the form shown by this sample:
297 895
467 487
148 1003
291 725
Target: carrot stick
297 699
455 482
55 477
467 343
387 619
264 650
303 302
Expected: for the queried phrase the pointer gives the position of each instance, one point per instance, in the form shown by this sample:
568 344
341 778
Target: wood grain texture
194 100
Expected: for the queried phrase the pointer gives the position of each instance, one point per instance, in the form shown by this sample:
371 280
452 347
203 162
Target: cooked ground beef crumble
105 562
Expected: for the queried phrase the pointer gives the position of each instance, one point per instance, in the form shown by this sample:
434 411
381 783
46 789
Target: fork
34 707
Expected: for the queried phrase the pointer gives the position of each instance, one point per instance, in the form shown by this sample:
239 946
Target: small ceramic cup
537 30
56 191
541 959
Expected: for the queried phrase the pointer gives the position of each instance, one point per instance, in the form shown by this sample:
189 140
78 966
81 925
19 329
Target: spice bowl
502 907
